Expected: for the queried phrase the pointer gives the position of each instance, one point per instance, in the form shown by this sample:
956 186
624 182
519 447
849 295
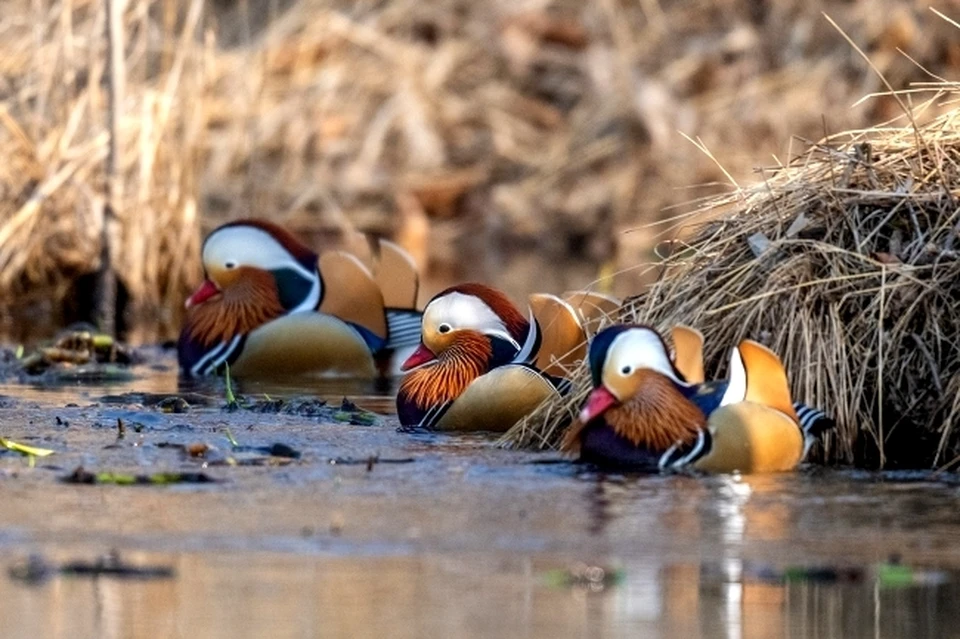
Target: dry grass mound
847 263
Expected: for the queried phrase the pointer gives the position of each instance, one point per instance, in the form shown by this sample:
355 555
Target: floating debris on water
274 455
82 476
162 401
354 415
348 412
301 407
889 574
370 461
76 354
122 427
589 577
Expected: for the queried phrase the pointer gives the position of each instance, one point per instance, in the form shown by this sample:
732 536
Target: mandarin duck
643 413
688 359
482 365
270 306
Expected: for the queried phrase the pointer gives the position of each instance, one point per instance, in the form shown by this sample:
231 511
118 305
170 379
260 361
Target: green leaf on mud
83 476
23 449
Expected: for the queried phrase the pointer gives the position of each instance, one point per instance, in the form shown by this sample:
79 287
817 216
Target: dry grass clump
847 263
54 140
460 128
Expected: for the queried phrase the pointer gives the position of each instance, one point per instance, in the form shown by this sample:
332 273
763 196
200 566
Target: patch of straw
846 263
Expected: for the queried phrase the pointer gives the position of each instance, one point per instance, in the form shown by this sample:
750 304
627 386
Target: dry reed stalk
549 123
66 143
106 296
854 282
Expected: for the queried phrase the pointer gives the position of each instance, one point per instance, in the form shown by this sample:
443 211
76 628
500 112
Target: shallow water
461 539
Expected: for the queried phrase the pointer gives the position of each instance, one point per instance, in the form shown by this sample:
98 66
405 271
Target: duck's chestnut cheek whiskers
207 290
420 356
599 401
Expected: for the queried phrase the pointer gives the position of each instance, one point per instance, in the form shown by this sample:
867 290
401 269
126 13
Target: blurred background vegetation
528 144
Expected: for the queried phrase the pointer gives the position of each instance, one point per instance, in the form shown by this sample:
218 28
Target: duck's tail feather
814 423
564 342
594 309
688 353
397 276
757 375
351 292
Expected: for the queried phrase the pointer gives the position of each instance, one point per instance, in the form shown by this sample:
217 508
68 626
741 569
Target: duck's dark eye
626 370
444 328
230 265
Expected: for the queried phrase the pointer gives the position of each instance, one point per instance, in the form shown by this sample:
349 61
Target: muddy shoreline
373 532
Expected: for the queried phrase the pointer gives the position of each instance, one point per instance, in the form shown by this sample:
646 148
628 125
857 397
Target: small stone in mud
308 408
173 405
283 450
337 523
266 406
197 449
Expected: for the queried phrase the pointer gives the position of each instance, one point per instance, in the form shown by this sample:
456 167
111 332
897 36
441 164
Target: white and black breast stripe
209 363
433 416
701 447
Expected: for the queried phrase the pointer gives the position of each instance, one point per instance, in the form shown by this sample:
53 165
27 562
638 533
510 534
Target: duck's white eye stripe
249 246
638 348
460 311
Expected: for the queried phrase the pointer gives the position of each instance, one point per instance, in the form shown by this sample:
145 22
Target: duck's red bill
207 290
598 402
420 356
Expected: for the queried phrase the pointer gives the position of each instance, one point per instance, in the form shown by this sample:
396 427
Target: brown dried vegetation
847 263
453 126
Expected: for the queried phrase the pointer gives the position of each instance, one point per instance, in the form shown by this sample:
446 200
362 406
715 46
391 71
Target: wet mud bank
317 515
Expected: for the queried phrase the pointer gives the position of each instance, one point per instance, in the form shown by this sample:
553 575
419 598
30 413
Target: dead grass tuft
847 263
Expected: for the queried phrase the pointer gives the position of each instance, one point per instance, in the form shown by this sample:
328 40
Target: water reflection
461 542
162 378
461 596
